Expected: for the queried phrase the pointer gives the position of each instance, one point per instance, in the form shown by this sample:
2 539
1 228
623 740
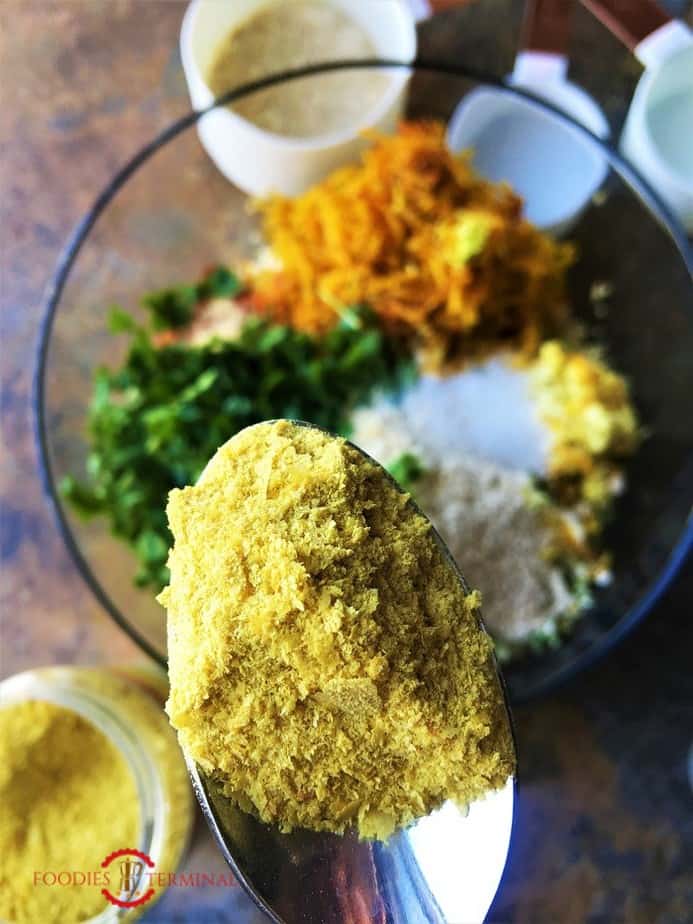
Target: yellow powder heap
67 800
326 666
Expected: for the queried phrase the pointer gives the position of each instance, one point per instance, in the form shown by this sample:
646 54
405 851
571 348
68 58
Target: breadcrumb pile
326 666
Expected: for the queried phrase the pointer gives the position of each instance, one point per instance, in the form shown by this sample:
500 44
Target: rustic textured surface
605 822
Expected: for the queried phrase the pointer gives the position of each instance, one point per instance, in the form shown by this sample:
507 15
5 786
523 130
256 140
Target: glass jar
125 704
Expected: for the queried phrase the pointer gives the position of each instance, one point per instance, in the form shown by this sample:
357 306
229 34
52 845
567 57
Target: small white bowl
261 162
546 161
649 139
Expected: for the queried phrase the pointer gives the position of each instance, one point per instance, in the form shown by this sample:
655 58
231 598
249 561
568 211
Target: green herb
155 421
406 470
220 283
174 307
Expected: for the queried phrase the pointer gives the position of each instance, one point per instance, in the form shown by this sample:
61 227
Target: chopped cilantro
156 420
171 307
220 283
174 307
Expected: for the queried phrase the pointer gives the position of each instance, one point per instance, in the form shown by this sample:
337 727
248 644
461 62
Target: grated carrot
441 255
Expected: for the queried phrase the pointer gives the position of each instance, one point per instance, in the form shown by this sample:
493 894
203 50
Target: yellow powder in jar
67 800
326 666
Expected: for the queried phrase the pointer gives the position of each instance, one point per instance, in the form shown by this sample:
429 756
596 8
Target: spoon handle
630 21
424 9
546 26
438 6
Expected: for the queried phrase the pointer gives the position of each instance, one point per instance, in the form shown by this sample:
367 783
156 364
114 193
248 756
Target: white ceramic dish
555 171
261 162
658 134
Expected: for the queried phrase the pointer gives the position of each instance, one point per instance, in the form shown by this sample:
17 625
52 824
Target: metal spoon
445 868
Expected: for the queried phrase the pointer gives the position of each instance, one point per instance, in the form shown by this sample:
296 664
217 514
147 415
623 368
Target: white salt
485 411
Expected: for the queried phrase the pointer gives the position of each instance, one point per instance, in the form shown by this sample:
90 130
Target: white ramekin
261 162
668 58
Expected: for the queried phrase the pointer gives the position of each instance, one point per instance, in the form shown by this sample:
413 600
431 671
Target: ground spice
325 664
59 811
506 545
479 436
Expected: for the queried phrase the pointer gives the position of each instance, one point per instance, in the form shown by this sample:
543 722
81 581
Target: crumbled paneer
588 410
326 665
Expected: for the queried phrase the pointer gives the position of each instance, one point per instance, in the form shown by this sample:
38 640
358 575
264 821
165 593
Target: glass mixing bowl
169 214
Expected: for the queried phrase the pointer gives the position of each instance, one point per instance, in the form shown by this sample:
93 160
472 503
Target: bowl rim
54 290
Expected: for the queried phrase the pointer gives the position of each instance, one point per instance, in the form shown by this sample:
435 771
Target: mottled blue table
605 819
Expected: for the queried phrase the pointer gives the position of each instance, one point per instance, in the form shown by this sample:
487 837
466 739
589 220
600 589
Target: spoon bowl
444 868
